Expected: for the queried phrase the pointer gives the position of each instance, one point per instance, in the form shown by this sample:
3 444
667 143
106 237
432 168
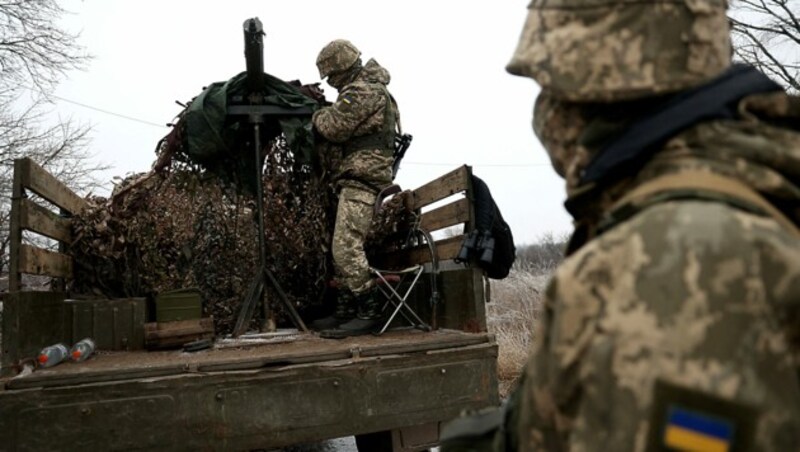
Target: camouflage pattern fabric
358 111
689 292
337 56
612 50
699 293
564 128
353 218
694 292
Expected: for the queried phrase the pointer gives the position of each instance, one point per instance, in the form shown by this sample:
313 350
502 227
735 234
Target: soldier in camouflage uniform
674 322
363 121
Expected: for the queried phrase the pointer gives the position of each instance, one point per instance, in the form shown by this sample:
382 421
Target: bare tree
33 49
35 54
767 35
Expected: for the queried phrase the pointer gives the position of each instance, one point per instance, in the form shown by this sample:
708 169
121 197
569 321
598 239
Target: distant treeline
542 256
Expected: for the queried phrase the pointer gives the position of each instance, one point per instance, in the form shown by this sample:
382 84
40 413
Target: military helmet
615 50
338 56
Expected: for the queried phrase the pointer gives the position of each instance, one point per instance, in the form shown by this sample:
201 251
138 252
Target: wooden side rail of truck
391 391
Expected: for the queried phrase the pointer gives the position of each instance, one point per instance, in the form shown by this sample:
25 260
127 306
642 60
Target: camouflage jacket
360 110
693 291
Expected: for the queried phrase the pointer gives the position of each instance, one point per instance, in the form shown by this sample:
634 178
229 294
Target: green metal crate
181 304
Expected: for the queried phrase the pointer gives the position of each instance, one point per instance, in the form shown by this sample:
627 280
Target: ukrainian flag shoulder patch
685 419
692 430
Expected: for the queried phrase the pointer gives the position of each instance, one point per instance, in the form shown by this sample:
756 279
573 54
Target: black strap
715 100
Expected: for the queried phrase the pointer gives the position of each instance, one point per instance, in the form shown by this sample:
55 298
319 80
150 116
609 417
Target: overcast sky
447 60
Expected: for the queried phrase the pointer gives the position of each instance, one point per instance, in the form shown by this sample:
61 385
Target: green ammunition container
181 304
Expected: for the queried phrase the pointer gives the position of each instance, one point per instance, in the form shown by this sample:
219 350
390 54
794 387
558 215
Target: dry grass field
512 312
515 304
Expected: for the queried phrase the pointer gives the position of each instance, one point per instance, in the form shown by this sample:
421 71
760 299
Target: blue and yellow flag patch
692 430
344 103
685 419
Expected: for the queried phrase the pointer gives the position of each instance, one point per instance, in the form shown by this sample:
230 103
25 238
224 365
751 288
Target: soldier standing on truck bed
674 322
363 121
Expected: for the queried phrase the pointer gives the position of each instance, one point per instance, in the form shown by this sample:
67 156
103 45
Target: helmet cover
616 50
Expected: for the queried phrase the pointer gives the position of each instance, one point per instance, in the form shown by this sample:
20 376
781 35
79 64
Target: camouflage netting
180 226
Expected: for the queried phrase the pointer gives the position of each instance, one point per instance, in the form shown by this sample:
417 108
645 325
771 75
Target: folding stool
397 284
390 284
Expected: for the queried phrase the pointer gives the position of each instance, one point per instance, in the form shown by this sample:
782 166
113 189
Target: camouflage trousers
353 218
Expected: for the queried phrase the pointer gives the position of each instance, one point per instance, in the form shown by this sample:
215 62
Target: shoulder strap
716 99
699 182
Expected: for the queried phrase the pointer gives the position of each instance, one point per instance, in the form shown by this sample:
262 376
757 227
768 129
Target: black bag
491 242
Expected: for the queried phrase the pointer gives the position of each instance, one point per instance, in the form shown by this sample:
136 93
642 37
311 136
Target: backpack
491 243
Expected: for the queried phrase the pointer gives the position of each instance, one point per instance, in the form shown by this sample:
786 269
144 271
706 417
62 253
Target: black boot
367 321
346 311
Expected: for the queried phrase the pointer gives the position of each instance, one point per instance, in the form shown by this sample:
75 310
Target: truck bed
302 348
405 383
257 397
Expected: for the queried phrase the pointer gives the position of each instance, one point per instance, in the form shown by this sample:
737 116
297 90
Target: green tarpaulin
223 144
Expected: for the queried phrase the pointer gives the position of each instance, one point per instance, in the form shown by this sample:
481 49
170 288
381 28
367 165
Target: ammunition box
181 304
116 324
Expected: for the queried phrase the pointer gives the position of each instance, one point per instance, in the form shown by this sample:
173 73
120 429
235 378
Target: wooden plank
469 312
446 249
305 349
462 302
158 330
445 216
111 367
451 183
47 186
215 411
36 218
447 340
15 232
175 334
37 261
